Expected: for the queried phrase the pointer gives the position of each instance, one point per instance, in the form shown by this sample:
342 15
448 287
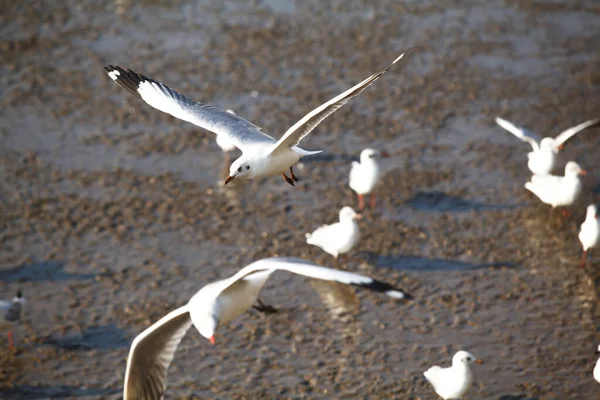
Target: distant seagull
558 190
212 307
262 155
337 238
589 234
543 157
365 175
224 142
12 314
452 382
597 368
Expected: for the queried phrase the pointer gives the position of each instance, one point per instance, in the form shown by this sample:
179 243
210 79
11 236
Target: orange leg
361 202
372 200
11 344
584 259
294 177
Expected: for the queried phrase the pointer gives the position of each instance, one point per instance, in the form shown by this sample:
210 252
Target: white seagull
597 368
452 382
262 155
337 238
542 159
12 314
365 175
558 190
589 234
212 307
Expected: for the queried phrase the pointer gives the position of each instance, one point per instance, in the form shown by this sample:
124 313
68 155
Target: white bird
212 307
337 238
597 368
12 314
261 154
542 159
452 382
224 142
558 190
364 175
589 234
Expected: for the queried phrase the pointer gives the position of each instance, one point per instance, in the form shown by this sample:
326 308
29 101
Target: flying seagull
212 307
262 155
542 158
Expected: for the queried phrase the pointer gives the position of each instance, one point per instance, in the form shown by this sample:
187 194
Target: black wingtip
382 287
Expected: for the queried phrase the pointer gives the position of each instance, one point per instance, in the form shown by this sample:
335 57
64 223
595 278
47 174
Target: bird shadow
441 202
422 264
29 392
107 337
43 271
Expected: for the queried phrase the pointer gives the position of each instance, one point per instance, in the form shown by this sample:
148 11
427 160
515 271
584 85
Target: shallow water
114 213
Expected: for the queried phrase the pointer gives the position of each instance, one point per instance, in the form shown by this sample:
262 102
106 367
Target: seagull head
372 154
591 212
240 168
348 214
19 298
573 169
206 324
464 358
547 143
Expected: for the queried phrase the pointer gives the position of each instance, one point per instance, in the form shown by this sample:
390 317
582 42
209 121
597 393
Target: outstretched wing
315 271
300 129
567 134
239 131
150 355
522 133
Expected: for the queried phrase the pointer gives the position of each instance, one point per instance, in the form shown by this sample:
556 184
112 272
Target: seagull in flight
262 155
542 159
212 307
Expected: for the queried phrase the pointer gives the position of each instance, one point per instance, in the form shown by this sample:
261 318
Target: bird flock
220 302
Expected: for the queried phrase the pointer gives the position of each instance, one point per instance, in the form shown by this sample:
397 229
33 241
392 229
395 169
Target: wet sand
112 212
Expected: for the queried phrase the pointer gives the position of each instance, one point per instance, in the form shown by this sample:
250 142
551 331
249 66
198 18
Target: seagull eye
240 169
247 167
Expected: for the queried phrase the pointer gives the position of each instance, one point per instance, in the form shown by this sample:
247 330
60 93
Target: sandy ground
112 213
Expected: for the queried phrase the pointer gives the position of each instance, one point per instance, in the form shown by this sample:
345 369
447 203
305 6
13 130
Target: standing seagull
452 382
589 234
261 154
337 238
364 176
542 159
212 307
12 314
558 190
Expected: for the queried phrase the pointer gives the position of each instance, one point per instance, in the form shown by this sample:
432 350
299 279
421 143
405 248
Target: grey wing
300 129
522 133
305 268
569 133
150 355
241 132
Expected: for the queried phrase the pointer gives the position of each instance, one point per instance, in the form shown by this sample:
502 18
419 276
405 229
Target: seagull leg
294 177
584 259
264 308
11 344
361 202
288 180
565 213
372 200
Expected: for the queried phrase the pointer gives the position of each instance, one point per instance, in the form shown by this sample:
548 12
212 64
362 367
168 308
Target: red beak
385 154
229 179
213 341
583 172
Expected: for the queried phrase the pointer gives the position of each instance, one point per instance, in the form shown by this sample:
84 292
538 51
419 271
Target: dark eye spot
240 169
247 167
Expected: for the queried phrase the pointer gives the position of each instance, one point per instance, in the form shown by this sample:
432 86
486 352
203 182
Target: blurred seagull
452 382
589 234
558 190
337 238
262 155
597 368
543 157
365 175
212 307
12 314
